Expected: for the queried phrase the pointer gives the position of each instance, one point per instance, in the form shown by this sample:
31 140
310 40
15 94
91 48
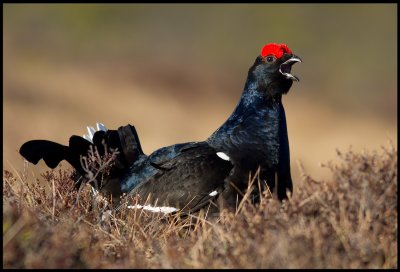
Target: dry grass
349 221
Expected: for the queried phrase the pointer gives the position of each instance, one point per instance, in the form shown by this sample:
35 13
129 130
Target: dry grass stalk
349 221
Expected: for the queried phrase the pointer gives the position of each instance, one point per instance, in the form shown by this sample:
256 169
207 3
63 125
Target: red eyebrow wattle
275 49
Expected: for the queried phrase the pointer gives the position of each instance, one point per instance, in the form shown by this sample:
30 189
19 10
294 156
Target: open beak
286 67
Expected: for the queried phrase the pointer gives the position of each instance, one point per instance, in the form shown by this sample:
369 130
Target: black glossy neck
252 130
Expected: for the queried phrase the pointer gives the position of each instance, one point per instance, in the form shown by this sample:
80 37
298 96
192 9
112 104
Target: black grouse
188 176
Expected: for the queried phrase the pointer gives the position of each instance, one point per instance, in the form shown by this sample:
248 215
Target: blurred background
176 72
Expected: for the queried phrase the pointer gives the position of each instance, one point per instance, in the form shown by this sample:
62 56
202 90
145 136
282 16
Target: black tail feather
52 153
125 140
98 138
130 144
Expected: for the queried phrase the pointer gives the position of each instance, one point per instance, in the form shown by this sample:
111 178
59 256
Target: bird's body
195 168
189 175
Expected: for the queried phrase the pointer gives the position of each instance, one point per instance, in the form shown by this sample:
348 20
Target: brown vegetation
347 222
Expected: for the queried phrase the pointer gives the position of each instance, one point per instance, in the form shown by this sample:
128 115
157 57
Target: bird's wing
193 176
163 157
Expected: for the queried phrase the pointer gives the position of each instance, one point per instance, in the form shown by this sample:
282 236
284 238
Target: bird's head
271 70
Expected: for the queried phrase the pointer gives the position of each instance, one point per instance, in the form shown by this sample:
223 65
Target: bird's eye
270 58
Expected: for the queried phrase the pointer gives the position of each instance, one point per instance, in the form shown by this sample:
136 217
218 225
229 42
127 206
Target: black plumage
189 175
